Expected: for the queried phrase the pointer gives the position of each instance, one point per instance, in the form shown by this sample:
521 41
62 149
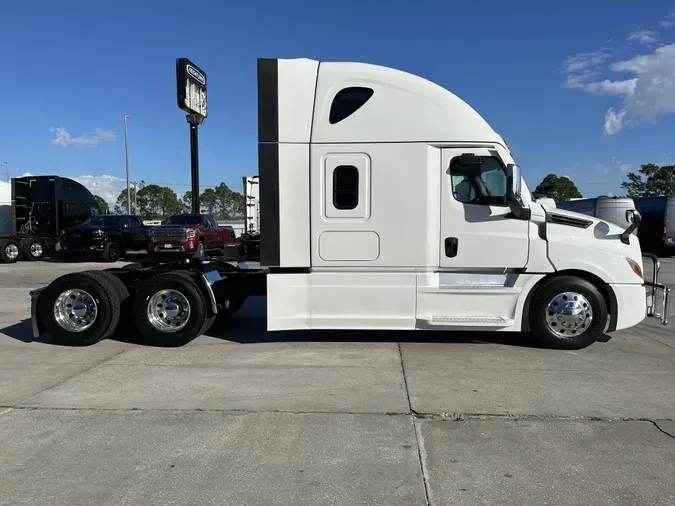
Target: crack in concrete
450 417
655 424
421 454
68 378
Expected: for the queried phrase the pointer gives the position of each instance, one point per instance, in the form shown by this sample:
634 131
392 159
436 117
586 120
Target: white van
618 210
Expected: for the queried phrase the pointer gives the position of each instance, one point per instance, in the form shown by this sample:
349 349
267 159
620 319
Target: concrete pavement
246 417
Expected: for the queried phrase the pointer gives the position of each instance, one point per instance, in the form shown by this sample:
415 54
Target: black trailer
42 207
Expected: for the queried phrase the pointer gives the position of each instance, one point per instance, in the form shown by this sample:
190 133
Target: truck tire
112 252
201 249
33 249
170 308
567 313
123 294
10 251
80 308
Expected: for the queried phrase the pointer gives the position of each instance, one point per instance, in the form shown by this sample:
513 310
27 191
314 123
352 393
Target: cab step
470 321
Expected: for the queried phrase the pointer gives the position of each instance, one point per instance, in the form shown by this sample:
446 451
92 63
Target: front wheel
568 313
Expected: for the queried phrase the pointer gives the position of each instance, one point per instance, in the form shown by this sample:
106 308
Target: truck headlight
191 233
635 266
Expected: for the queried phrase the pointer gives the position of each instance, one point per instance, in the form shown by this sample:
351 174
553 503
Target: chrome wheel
168 311
75 310
12 251
569 314
36 250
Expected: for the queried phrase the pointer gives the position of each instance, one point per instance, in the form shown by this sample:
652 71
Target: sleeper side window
479 180
345 187
347 102
345 181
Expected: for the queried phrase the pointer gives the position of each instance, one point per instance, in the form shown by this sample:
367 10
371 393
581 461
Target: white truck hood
572 228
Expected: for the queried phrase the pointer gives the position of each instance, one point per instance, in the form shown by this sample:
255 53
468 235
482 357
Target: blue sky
584 89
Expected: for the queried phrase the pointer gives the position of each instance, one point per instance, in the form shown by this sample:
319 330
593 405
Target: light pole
126 156
7 170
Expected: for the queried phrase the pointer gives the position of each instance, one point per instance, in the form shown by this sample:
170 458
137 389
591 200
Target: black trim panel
560 219
268 170
268 100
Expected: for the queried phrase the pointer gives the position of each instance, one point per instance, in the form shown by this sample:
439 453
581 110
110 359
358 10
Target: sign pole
191 98
194 121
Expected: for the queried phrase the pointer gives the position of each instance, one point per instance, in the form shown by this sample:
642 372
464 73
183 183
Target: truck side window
347 102
481 183
345 187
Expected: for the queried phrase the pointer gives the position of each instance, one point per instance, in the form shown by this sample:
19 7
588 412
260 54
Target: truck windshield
103 221
184 219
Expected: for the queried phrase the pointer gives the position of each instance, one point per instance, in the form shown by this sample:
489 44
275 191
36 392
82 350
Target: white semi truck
351 157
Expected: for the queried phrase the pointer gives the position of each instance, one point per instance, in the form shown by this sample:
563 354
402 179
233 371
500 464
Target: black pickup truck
110 235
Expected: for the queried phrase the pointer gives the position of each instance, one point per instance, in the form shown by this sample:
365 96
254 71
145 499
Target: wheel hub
569 314
168 310
36 249
12 251
75 310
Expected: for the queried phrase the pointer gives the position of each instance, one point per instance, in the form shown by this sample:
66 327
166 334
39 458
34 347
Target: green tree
121 203
208 201
105 208
557 188
230 203
186 202
651 181
157 202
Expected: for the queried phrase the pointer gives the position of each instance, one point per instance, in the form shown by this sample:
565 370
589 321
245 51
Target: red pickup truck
190 233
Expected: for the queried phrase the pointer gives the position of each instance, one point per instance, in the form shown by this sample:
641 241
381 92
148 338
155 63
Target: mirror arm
625 236
518 210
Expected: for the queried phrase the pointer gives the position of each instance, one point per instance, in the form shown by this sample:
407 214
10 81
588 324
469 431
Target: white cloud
643 36
648 94
65 139
608 87
614 121
26 174
105 186
669 21
626 167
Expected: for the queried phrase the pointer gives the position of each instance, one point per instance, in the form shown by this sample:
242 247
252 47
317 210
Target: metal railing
655 288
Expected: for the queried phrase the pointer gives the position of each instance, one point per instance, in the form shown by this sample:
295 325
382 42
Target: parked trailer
42 207
350 154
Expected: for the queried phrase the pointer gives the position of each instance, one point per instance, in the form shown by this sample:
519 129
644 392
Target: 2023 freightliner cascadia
350 154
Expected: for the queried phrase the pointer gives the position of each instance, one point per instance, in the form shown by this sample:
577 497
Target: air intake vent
570 221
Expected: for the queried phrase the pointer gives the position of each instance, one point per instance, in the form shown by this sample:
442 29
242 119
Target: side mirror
633 215
635 218
513 192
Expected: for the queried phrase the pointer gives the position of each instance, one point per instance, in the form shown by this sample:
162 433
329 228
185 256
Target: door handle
451 244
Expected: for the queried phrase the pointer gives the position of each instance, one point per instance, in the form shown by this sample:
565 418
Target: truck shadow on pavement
248 326
252 331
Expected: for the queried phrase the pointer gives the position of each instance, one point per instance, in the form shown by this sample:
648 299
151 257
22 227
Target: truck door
477 231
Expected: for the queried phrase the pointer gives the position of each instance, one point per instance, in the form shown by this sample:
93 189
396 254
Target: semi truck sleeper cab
349 155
